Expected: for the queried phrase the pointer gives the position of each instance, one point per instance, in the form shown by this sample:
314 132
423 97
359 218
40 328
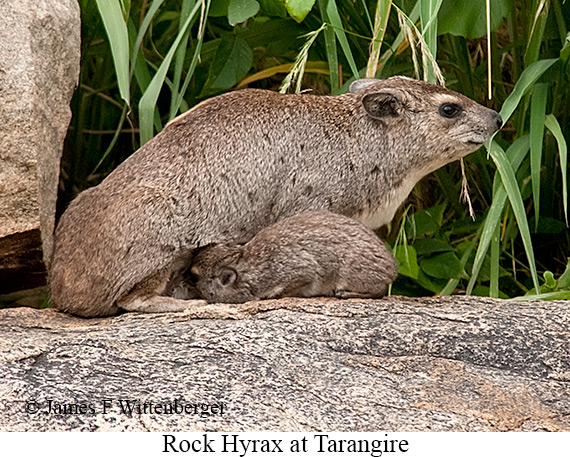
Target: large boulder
461 364
39 69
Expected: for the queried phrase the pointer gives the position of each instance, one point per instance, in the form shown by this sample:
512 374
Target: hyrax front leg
146 298
159 304
374 292
193 309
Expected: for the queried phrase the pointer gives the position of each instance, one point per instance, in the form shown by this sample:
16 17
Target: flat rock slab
443 364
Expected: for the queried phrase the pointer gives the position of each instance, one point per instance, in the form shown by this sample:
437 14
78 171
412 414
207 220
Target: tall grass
145 62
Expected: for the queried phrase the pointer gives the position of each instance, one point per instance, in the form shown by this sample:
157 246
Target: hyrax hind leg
159 304
146 298
374 291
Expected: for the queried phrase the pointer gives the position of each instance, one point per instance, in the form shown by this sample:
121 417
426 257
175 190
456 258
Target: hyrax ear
227 276
382 104
360 84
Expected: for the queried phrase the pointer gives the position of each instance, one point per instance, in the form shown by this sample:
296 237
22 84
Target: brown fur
309 254
240 162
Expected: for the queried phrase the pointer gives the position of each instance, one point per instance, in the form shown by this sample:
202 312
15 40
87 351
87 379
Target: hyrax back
242 161
306 255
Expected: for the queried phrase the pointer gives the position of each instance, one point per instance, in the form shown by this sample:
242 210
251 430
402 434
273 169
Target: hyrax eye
450 110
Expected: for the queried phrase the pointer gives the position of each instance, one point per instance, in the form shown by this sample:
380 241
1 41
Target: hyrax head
214 270
436 125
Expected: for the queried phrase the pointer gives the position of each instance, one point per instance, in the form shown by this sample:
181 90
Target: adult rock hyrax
242 161
305 255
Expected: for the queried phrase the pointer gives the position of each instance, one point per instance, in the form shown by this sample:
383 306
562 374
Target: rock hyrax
242 161
306 255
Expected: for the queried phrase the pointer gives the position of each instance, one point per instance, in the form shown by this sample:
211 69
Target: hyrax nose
497 119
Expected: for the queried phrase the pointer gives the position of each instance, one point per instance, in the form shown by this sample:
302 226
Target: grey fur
306 255
360 84
240 162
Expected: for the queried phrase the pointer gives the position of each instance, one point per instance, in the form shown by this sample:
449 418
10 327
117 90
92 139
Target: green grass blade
449 287
552 124
516 154
367 13
116 29
194 62
428 15
113 140
330 48
540 15
527 79
141 70
495 256
560 22
491 223
139 66
537 115
452 283
513 192
564 279
333 17
413 17
381 16
332 58
557 295
155 5
298 69
187 6
147 104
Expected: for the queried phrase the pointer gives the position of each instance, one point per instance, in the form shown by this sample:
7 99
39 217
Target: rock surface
39 69
461 364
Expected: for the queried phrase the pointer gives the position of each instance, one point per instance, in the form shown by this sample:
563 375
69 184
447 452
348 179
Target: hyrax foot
159 304
344 294
194 309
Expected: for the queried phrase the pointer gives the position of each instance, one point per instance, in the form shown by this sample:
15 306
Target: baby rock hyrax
309 254
242 161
